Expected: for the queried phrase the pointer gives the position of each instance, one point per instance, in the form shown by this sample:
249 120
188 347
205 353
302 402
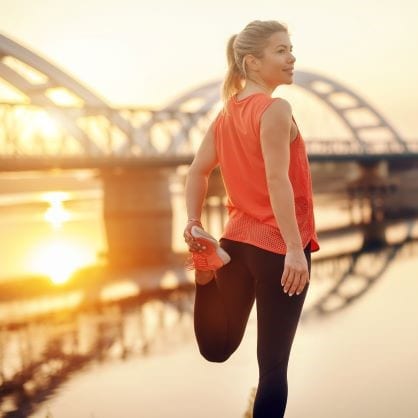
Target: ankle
203 277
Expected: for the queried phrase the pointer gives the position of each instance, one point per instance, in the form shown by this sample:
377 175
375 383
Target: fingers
287 277
294 280
304 279
285 274
194 246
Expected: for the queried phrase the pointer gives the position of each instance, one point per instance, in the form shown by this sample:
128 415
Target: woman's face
276 66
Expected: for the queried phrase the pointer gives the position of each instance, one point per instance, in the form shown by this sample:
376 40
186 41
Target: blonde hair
251 40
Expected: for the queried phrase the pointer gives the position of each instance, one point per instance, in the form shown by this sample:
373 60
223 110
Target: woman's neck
254 87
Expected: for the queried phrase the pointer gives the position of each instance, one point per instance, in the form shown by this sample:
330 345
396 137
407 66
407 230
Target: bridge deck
27 163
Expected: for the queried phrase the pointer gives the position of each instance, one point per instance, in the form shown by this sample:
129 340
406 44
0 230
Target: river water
359 362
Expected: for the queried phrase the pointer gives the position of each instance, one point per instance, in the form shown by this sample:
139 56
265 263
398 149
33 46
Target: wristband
194 220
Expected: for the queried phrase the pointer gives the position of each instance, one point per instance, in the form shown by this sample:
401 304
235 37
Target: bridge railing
344 147
51 130
62 132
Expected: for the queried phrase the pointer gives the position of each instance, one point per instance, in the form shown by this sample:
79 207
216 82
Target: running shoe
212 257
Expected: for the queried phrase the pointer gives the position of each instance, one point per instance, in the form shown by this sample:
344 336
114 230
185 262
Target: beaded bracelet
194 220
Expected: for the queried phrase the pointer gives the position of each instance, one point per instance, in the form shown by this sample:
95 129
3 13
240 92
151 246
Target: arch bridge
54 121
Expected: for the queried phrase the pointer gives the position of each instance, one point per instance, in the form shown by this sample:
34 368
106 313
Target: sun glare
60 258
56 214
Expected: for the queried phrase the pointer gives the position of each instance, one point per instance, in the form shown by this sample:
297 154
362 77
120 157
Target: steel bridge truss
59 117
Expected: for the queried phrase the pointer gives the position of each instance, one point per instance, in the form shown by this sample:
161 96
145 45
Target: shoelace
196 260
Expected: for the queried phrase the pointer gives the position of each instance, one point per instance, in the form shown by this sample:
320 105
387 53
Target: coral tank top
250 215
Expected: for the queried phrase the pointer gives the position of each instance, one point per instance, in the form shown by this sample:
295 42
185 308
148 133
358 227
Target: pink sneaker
212 257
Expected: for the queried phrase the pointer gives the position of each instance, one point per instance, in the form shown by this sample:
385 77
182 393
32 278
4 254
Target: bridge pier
370 191
138 217
403 203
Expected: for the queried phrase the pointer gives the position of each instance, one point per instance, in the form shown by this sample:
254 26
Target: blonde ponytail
233 80
251 40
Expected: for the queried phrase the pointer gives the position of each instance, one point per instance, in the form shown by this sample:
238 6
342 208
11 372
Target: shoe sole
204 238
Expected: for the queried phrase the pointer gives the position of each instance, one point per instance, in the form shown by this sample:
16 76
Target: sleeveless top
250 216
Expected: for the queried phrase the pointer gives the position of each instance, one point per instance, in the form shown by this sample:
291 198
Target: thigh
277 313
237 289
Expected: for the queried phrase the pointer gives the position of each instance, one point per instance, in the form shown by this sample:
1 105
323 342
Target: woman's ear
252 62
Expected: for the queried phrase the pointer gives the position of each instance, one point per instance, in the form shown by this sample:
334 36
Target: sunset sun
59 258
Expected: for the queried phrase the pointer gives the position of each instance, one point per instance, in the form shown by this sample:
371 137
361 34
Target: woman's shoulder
275 108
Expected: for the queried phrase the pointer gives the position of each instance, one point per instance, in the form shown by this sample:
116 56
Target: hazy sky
148 52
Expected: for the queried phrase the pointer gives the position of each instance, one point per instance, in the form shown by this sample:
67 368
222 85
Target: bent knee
215 356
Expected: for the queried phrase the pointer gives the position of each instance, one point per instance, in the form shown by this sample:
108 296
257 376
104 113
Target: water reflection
341 280
56 214
57 330
58 258
37 356
50 233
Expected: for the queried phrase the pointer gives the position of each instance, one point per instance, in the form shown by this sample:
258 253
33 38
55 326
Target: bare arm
275 144
197 180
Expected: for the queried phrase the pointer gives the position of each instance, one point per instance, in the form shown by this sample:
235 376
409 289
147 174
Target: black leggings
222 308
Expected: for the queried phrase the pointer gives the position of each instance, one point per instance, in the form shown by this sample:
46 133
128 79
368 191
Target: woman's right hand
295 274
194 246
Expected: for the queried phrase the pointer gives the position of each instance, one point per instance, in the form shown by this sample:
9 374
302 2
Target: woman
264 253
